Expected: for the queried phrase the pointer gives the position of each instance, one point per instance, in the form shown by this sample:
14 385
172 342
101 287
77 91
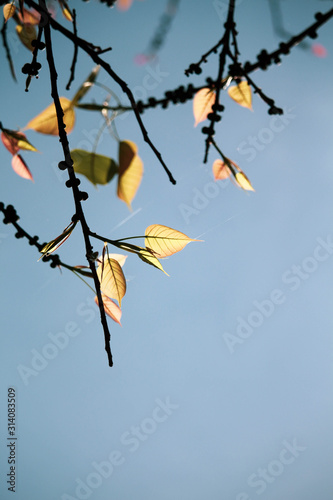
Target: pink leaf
110 308
21 168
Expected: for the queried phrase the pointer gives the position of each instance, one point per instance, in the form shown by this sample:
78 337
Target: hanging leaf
46 122
202 104
243 181
21 168
164 241
241 94
53 245
112 279
98 169
26 33
65 10
221 170
236 174
111 308
14 141
130 172
28 16
149 258
85 86
8 11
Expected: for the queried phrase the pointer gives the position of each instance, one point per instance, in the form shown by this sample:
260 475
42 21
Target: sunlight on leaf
89 82
98 169
202 104
130 172
21 168
221 170
8 11
241 94
26 34
149 258
14 141
164 241
46 122
243 181
111 308
58 241
29 16
112 279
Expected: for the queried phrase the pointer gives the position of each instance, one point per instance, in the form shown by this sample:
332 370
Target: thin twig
76 49
6 47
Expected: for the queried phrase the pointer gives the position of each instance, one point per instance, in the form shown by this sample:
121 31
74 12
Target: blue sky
222 379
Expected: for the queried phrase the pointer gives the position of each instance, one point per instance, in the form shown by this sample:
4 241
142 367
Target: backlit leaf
97 168
111 308
164 241
29 16
26 34
21 168
8 11
65 10
130 171
242 94
112 279
46 122
149 258
14 141
202 104
85 86
243 181
58 241
221 170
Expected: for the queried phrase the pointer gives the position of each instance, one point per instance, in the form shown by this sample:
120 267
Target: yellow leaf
241 93
149 258
58 241
26 34
112 279
164 241
120 258
243 181
221 170
110 308
46 122
98 169
85 86
8 11
130 172
202 104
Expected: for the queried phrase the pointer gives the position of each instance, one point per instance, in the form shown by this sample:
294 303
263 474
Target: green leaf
98 169
85 86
